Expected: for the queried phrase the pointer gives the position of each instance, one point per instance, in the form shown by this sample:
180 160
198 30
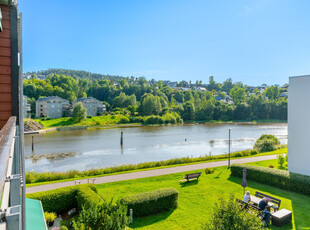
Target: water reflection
101 147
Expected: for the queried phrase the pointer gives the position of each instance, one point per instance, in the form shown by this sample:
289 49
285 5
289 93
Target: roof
51 98
86 99
34 215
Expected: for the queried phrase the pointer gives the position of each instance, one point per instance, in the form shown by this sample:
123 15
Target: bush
87 197
103 216
281 160
63 228
138 119
124 120
228 215
209 170
144 204
89 116
275 177
50 216
63 199
267 143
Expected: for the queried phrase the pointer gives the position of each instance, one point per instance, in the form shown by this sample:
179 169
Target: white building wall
299 125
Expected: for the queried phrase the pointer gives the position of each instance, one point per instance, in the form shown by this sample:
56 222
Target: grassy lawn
279 151
93 121
269 162
196 199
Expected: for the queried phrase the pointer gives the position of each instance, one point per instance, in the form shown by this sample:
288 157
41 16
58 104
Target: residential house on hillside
52 107
26 107
93 106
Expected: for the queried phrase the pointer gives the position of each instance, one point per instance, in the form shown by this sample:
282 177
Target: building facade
52 107
93 106
26 107
299 125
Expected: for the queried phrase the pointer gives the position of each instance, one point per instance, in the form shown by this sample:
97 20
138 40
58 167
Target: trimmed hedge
87 196
63 199
144 204
275 177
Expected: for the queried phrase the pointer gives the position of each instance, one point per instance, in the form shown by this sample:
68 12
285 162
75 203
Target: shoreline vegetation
116 121
37 178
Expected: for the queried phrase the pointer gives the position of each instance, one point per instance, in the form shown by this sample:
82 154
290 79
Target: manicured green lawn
268 163
196 199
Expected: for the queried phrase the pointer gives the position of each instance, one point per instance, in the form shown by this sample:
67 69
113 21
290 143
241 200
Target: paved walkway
149 173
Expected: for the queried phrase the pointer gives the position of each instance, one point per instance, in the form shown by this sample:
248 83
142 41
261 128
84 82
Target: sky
250 41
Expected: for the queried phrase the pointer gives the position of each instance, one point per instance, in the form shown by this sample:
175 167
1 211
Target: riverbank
113 121
39 178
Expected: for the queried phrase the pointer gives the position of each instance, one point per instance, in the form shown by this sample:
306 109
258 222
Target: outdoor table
255 200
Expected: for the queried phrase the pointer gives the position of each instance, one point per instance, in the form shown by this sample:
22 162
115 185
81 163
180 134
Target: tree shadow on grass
188 183
63 123
149 220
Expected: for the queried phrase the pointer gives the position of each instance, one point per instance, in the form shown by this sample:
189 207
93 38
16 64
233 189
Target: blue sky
252 41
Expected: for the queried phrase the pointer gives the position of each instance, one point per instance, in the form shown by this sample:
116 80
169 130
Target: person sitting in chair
247 197
262 206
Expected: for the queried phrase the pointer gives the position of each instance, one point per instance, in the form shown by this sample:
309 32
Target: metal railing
11 177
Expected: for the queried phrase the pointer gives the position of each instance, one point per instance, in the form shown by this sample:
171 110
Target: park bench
188 177
273 200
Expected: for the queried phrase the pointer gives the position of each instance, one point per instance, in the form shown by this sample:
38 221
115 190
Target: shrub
63 199
144 204
103 216
138 119
124 120
228 215
89 116
86 197
209 170
281 160
50 216
275 177
63 228
267 143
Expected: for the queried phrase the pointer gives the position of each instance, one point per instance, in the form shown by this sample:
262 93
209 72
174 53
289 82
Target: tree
229 215
238 95
79 112
150 105
188 96
227 85
272 92
189 111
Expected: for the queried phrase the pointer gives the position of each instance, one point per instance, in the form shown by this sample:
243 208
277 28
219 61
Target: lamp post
229 147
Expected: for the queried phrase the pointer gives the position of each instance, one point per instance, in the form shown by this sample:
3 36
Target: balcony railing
11 177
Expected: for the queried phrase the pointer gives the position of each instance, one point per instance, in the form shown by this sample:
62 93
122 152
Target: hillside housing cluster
56 107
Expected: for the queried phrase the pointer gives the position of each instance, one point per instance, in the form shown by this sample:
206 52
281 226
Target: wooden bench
275 201
188 177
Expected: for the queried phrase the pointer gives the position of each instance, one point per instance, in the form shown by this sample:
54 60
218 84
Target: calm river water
101 147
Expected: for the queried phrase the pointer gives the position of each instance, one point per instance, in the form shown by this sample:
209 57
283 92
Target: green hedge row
153 202
63 199
275 177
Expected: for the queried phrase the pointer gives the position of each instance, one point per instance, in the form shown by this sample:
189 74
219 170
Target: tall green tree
79 112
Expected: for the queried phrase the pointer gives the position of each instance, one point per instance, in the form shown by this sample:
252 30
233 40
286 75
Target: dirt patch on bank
31 125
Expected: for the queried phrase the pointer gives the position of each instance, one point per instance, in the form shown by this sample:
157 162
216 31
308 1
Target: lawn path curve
149 173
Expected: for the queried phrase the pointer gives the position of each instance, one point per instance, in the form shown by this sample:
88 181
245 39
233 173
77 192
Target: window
41 105
41 109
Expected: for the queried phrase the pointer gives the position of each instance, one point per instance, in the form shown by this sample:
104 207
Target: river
101 147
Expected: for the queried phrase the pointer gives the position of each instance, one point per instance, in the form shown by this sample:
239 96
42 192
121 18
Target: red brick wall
5 67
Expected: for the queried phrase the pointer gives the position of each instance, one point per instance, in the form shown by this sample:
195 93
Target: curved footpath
149 173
